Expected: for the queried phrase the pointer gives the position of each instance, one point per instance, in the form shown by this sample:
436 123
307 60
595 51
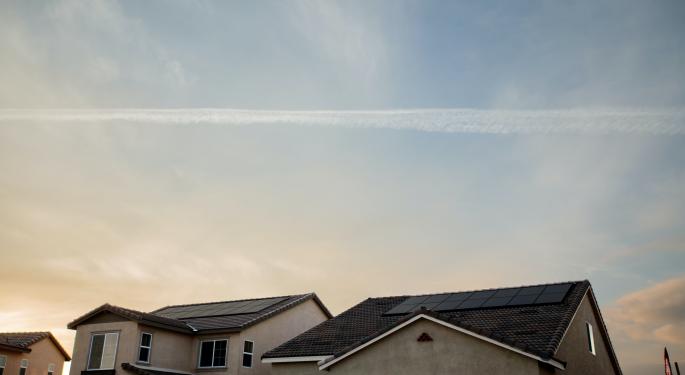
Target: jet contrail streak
669 122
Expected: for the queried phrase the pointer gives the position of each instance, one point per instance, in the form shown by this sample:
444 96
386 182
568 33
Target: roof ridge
481 290
226 301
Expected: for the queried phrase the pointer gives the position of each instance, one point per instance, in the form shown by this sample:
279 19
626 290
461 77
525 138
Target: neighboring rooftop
208 317
22 341
535 328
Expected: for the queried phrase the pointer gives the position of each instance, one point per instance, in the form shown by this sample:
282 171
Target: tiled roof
139 316
21 341
241 321
536 329
203 324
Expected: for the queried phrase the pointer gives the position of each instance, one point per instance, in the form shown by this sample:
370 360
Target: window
248 349
213 353
22 366
103 350
145 347
51 369
3 361
590 338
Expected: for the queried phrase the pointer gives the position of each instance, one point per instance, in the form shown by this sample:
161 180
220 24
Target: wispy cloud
430 120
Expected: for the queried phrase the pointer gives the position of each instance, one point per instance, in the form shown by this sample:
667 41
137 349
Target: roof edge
303 298
114 310
14 348
59 347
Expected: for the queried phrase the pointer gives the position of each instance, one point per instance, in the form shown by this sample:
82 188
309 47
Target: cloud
656 313
440 120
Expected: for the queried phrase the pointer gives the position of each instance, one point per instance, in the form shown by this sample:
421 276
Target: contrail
668 122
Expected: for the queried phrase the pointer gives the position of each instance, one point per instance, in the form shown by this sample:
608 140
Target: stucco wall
450 352
574 347
128 333
42 354
169 349
275 331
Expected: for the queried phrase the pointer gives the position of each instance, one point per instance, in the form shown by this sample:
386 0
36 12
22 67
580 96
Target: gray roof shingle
536 329
21 341
203 324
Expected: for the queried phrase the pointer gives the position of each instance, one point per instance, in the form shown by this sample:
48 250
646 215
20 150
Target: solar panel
223 308
483 294
437 298
497 302
459 296
471 303
448 305
523 300
558 288
536 290
530 295
509 292
550 298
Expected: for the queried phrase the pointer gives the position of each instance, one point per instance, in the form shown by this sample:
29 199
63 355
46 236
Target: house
538 329
220 338
31 353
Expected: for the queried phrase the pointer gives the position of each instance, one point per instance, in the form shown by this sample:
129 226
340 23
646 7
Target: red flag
667 363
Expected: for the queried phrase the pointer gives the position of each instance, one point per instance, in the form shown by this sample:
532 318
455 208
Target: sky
154 153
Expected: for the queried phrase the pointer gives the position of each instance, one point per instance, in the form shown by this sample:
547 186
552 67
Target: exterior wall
274 332
127 348
42 354
231 359
170 349
574 347
450 352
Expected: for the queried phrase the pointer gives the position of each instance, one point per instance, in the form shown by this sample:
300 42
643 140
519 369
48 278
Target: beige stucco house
221 338
539 329
31 353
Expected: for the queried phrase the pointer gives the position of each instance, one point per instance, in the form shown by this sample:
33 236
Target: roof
534 329
22 341
139 316
201 322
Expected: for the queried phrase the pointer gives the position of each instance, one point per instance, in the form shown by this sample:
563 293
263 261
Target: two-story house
31 353
219 338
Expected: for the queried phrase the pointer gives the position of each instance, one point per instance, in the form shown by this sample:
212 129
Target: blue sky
266 203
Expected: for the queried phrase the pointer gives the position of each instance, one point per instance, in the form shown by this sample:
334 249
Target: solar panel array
218 309
529 295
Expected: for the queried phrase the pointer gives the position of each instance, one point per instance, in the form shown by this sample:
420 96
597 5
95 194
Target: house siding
276 331
450 352
127 347
574 347
42 354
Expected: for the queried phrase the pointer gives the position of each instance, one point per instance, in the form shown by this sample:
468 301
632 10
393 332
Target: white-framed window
145 347
103 350
213 353
23 365
51 369
3 362
248 351
590 338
